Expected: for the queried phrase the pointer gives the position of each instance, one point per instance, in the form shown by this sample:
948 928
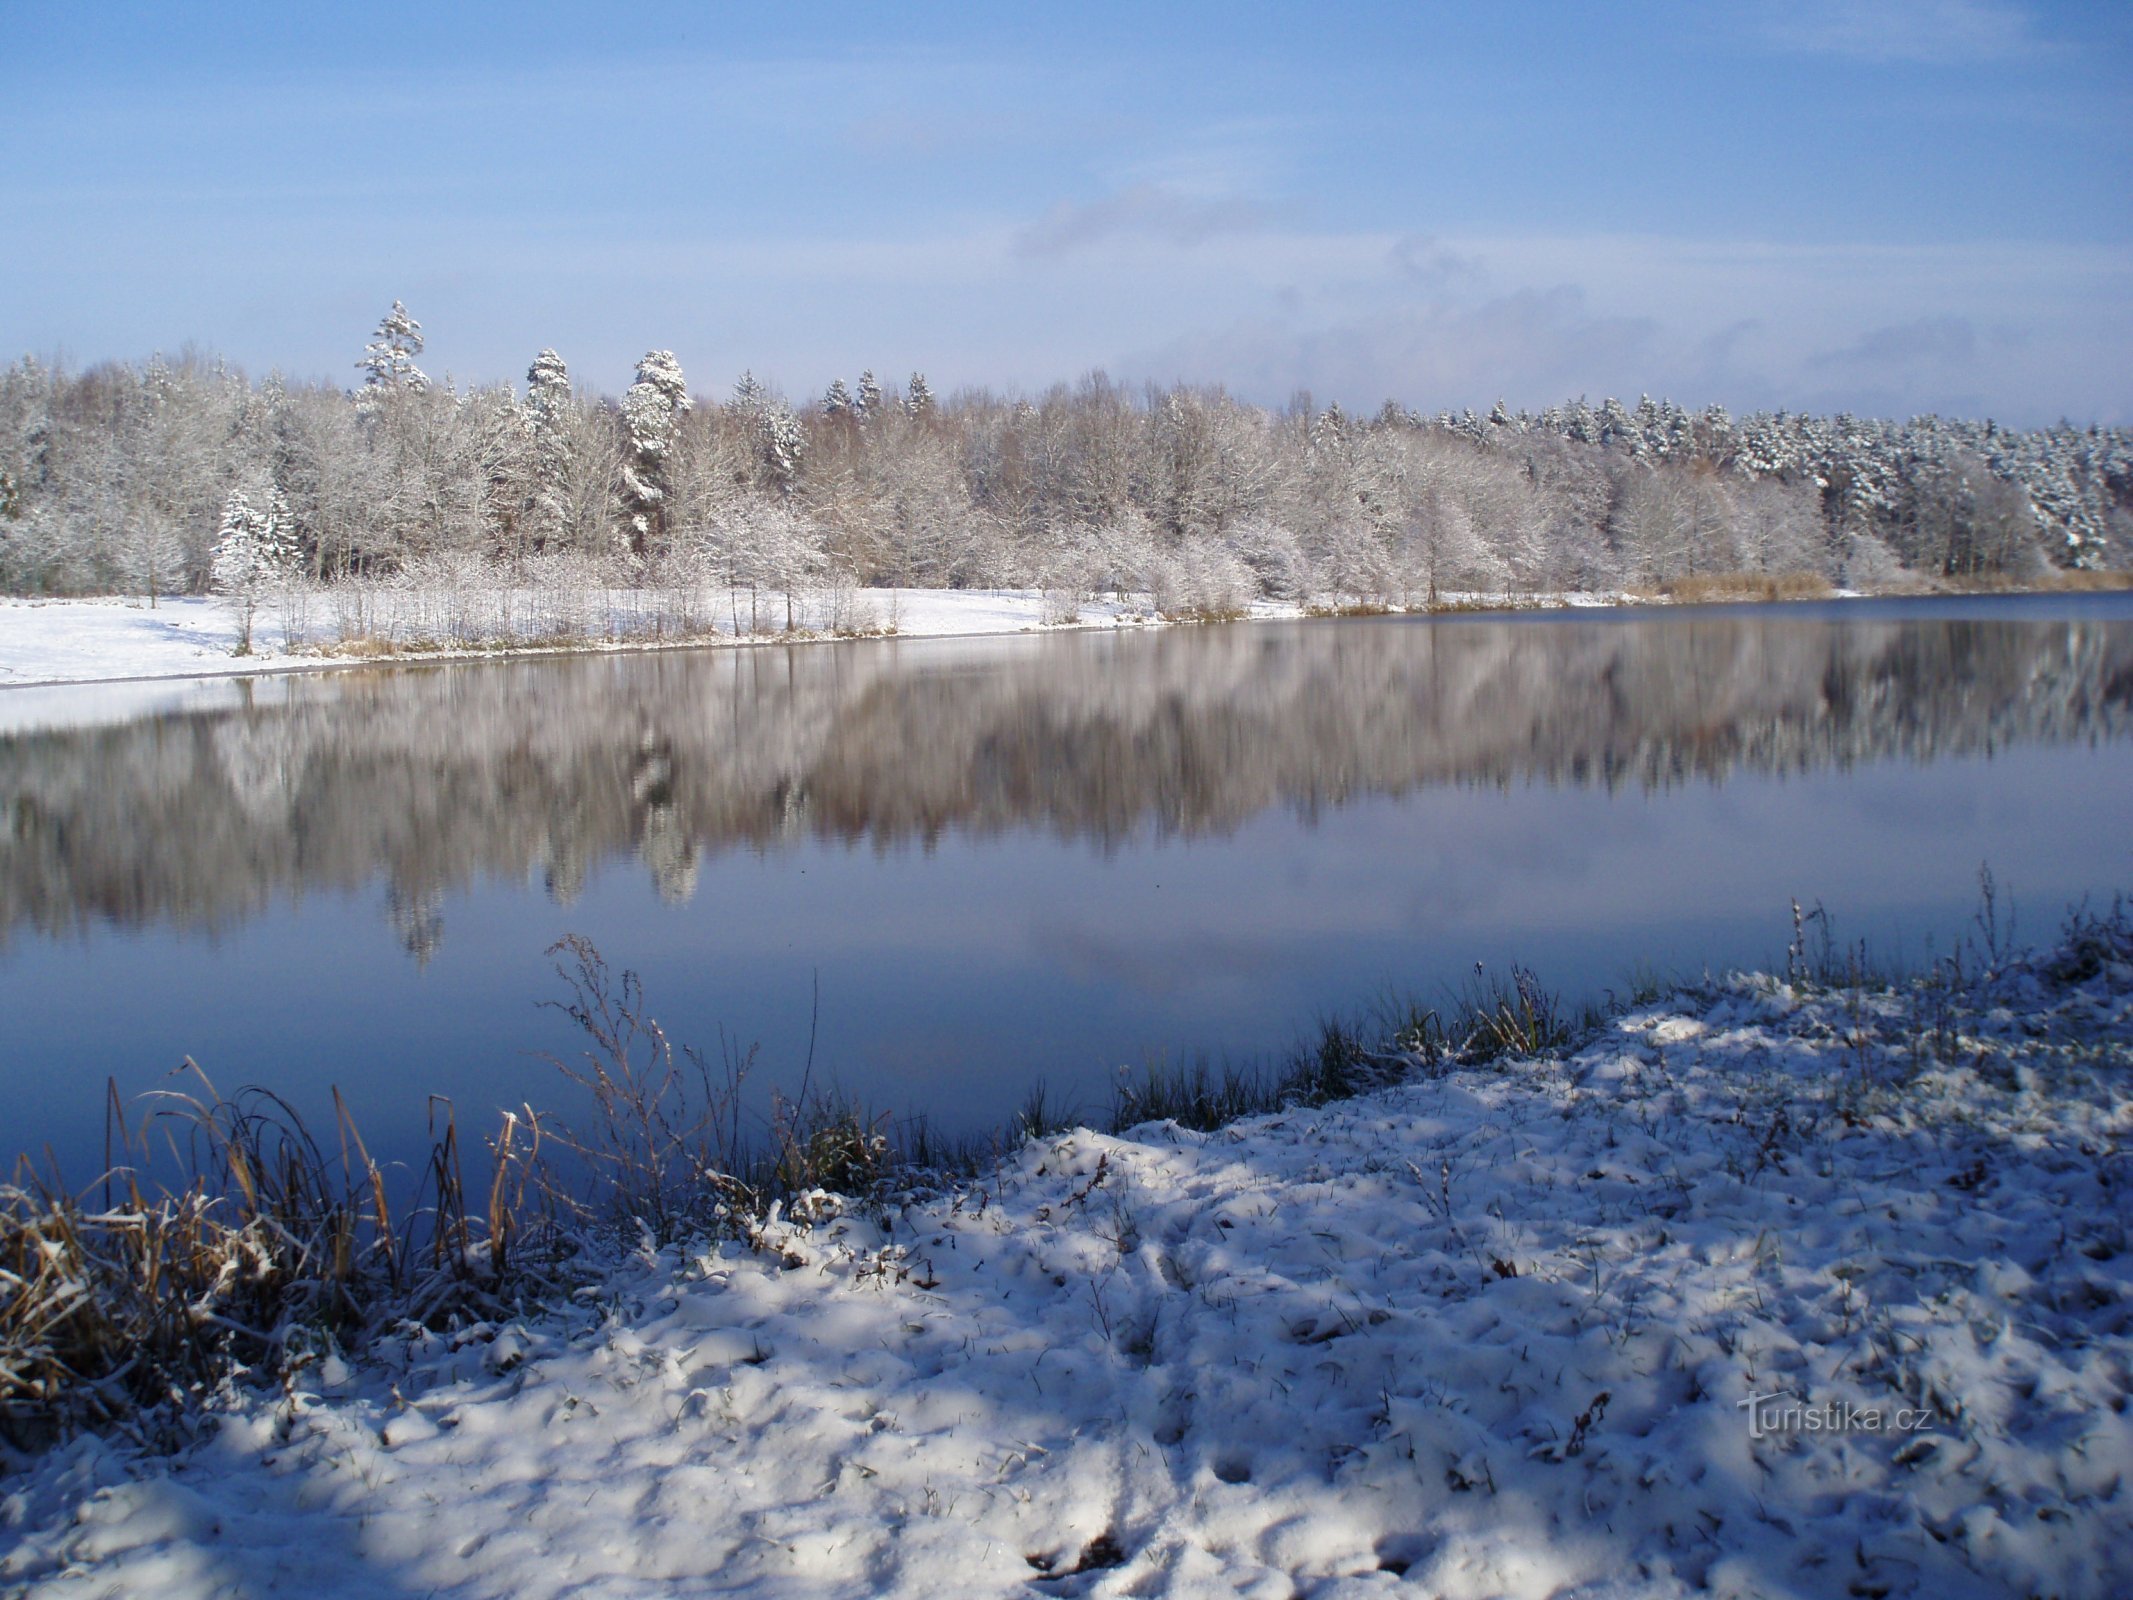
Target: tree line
131 478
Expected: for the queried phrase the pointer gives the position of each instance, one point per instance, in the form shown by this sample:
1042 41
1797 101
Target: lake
961 866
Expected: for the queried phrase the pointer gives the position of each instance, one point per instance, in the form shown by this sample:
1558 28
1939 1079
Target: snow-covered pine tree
782 442
918 401
547 411
837 399
254 551
389 359
775 437
868 402
1329 431
651 412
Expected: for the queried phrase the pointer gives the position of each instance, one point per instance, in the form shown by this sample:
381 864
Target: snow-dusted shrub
1214 582
1871 565
1274 558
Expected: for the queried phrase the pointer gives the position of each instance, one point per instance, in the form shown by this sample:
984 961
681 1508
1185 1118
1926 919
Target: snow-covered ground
55 642
179 655
1490 1331
83 641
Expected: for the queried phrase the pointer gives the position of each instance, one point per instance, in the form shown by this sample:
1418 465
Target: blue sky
1888 207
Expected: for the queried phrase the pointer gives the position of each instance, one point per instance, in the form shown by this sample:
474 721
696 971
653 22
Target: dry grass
1348 608
223 1238
2059 580
384 647
1708 587
1468 605
1485 1019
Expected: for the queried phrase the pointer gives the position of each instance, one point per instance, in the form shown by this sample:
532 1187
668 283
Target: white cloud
2027 332
1523 345
1904 345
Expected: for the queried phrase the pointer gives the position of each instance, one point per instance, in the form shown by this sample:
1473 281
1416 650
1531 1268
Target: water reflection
438 778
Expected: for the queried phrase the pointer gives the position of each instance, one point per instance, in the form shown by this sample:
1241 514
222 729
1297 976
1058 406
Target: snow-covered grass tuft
1812 1283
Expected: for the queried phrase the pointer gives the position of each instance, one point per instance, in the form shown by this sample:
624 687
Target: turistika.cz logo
1784 1412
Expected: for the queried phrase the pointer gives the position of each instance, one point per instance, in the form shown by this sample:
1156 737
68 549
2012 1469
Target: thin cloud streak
1901 345
1147 211
1926 32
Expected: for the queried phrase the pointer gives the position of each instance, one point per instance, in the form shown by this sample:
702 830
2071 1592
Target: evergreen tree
775 438
254 551
548 411
389 359
651 414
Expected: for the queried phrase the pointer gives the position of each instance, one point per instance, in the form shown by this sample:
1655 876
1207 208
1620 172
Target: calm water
1009 859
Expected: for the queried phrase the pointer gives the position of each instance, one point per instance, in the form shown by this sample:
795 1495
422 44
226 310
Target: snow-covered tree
255 551
784 442
389 359
651 413
549 410
776 440
837 400
868 401
918 399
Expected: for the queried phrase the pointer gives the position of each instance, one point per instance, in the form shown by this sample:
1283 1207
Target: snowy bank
1769 1288
59 642
52 642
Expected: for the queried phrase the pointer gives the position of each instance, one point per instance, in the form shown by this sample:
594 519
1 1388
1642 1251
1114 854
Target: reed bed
223 1239
1705 587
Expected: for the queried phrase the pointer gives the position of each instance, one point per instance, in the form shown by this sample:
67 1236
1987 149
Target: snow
1483 1332
52 642
44 642
83 641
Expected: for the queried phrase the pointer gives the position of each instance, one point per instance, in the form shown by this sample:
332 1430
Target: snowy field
1494 1330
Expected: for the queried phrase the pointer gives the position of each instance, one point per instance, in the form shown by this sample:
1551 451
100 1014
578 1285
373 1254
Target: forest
185 475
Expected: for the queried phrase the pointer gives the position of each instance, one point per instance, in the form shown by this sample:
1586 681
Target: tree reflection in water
436 777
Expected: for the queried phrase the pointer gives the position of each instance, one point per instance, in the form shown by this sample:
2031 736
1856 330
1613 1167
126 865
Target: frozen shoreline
55 643
1488 1330
112 639
73 663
